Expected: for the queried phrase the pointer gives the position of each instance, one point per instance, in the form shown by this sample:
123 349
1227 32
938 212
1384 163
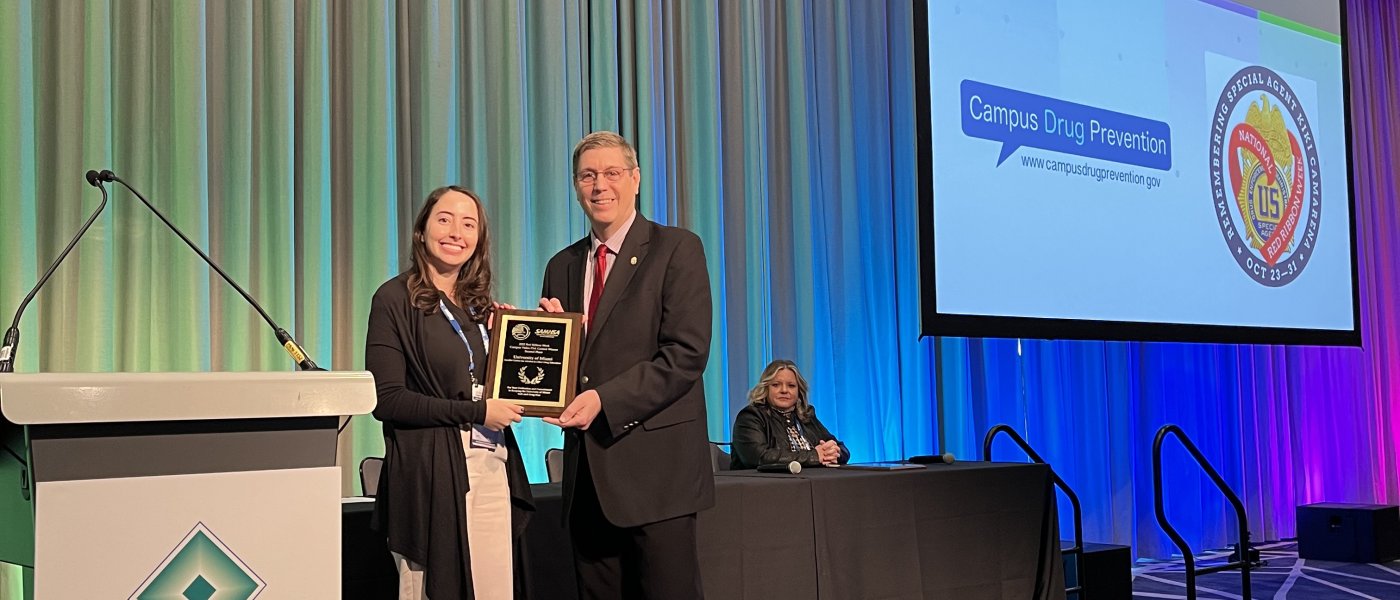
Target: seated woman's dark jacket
760 437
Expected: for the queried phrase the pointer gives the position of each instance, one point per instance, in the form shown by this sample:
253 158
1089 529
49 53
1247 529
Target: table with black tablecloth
967 531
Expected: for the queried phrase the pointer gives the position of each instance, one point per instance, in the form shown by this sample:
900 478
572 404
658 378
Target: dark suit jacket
644 353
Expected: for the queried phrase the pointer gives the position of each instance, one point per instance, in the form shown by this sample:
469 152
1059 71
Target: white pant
488 530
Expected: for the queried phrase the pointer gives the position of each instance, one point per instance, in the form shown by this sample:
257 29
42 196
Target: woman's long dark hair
473 288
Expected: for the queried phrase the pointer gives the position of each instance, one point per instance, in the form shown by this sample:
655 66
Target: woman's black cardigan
420 371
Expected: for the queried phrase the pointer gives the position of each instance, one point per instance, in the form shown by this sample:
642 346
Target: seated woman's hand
829 452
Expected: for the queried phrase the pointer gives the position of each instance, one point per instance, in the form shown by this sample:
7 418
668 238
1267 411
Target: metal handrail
1060 483
1240 516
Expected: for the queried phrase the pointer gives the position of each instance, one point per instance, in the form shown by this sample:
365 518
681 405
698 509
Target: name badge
482 437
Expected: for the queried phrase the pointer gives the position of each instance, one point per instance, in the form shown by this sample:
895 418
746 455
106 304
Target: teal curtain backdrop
295 141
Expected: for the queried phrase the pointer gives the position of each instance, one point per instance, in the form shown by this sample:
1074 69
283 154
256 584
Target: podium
175 485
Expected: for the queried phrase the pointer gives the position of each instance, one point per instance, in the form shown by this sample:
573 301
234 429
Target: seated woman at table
779 425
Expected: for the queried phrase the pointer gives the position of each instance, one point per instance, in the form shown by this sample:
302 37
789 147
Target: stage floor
1285 577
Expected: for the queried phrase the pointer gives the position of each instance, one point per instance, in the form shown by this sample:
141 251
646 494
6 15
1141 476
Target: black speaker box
367 570
1107 573
1361 533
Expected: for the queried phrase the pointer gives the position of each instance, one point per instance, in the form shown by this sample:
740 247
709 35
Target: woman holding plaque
452 493
780 426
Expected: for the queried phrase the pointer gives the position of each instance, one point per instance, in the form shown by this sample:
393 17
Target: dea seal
1266 184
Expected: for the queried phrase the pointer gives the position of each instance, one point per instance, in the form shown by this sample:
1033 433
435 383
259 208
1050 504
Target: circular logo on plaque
1265 177
520 332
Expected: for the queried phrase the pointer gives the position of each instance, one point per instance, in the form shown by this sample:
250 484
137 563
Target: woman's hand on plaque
500 414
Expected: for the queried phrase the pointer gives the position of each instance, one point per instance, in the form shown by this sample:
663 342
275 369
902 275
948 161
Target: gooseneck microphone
290 345
10 346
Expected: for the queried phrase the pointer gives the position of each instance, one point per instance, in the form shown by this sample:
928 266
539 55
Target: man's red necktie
599 272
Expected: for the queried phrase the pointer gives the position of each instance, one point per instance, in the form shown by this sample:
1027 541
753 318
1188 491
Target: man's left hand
580 412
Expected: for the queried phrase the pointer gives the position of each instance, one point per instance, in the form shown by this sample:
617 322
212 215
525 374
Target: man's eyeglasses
589 177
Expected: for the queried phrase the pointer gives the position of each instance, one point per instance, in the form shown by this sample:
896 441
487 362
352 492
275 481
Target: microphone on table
10 347
946 458
290 345
793 467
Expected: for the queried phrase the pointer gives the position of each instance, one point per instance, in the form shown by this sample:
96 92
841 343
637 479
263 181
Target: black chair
369 475
554 464
719 459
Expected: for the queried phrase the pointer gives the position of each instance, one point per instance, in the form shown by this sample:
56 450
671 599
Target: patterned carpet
1284 576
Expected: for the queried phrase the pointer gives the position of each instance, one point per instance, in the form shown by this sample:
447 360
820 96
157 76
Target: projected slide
1175 163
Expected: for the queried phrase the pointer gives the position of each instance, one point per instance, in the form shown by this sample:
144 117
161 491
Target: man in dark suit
636 455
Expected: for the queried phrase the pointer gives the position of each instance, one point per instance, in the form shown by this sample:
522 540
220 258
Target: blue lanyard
471 356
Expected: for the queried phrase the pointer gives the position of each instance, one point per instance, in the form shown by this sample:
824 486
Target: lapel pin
634 260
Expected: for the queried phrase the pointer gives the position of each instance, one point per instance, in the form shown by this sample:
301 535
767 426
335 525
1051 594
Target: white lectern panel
58 398
263 534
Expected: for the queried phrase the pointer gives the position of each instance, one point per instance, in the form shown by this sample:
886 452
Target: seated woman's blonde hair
759 393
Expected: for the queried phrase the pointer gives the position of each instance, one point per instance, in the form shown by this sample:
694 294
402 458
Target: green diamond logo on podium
201 567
